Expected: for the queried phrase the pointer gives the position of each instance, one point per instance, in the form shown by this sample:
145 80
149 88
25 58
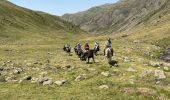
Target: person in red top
86 46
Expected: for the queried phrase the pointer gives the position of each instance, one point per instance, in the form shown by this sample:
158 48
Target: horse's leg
93 59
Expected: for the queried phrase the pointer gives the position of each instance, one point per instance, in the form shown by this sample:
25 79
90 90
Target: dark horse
67 49
87 55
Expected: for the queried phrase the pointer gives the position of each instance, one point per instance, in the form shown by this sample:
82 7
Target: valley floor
139 76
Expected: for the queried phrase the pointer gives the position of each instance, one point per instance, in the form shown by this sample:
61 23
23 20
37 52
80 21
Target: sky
60 7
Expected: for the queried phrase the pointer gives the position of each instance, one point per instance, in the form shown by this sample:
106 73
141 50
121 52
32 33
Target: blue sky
60 7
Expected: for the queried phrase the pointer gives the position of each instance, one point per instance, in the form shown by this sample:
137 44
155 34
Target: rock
126 59
1 68
104 87
11 78
27 77
80 78
66 67
39 80
130 69
107 74
159 74
35 63
166 55
155 64
9 61
16 71
146 73
91 69
4 64
43 73
166 68
60 82
49 82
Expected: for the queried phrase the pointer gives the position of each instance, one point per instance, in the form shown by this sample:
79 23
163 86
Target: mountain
118 17
17 23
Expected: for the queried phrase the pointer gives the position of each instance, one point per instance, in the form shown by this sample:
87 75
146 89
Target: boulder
107 74
166 68
104 87
80 78
11 78
130 69
159 74
48 82
27 77
60 82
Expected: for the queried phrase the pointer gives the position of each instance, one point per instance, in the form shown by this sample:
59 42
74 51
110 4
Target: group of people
86 46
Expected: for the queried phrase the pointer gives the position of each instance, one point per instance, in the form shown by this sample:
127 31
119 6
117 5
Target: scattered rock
146 73
49 82
166 55
104 87
1 68
166 68
27 77
146 92
155 64
159 74
9 61
35 63
60 82
43 73
39 80
128 91
107 74
130 69
11 78
80 78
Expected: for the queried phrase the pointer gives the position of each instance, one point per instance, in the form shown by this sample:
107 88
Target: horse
109 54
96 49
67 49
89 54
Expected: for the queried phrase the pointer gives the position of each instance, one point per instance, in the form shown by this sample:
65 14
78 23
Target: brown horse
89 54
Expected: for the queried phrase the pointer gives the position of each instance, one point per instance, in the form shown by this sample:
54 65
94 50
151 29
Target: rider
86 47
79 47
108 45
96 46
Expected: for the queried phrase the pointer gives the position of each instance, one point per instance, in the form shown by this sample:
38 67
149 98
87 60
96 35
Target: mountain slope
123 15
20 23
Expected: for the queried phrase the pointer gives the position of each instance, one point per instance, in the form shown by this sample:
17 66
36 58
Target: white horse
109 54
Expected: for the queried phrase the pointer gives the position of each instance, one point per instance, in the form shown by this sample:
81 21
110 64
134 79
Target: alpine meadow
45 57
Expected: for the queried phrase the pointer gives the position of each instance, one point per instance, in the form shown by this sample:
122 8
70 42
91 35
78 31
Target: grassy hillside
18 23
121 16
140 74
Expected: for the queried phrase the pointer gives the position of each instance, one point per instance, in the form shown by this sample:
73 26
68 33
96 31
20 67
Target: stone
11 78
159 74
9 61
49 82
155 64
107 74
35 63
60 82
104 87
16 71
166 68
39 80
130 69
146 73
80 78
27 77
1 68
